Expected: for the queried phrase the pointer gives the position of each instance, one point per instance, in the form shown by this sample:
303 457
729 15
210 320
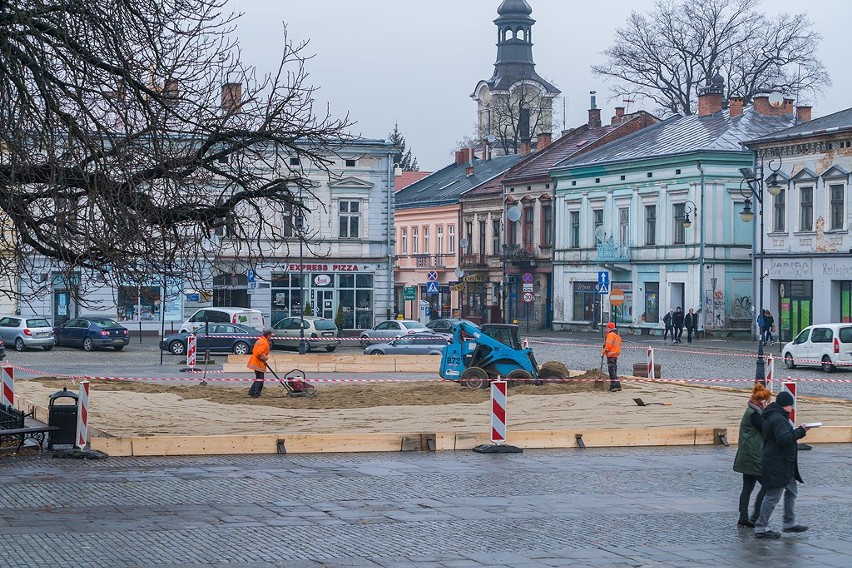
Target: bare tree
122 153
522 113
667 55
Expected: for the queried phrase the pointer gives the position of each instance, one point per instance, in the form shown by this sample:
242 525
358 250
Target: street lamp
300 225
688 207
755 185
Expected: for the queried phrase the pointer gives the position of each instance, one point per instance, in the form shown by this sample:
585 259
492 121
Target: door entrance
325 304
64 307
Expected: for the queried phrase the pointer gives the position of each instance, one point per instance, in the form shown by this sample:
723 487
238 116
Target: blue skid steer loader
474 359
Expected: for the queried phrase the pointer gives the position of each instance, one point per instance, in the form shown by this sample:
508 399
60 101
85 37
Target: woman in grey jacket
749 451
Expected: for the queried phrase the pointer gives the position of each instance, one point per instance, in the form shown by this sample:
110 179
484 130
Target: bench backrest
10 417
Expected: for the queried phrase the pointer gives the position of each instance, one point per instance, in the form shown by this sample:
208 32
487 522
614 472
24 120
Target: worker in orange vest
611 350
257 362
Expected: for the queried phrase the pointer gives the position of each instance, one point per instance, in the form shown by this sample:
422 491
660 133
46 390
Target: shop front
439 302
795 308
586 302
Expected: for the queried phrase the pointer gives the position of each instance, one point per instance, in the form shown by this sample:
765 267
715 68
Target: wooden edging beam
441 441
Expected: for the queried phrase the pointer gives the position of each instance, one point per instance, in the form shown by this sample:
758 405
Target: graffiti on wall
742 307
714 312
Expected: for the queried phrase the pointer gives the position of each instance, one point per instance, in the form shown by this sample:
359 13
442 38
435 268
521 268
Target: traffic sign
431 287
528 297
528 277
250 275
432 275
528 287
616 297
603 288
410 292
603 279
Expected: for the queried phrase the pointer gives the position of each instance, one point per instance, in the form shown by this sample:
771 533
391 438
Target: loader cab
506 333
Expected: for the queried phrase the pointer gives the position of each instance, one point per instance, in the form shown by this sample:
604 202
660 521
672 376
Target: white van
243 316
828 345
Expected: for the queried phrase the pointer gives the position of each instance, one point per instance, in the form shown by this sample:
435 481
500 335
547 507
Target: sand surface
133 408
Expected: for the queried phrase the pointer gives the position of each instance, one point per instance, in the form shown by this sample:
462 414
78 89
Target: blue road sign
432 275
528 277
603 279
431 287
603 288
250 275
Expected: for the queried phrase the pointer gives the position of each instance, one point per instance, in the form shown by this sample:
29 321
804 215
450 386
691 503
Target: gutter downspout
702 327
390 230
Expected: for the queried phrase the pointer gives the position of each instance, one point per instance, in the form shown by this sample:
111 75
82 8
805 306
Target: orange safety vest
612 345
261 349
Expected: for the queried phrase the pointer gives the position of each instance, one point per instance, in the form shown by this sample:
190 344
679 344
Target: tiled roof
837 122
685 135
493 187
445 186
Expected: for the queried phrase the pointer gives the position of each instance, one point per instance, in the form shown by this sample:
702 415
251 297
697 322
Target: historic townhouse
806 242
658 211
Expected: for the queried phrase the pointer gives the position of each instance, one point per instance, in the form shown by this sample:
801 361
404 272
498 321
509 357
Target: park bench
14 426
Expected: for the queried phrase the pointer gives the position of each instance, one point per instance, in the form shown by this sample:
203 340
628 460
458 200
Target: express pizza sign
295 267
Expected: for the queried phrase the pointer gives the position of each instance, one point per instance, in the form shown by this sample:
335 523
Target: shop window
652 304
139 303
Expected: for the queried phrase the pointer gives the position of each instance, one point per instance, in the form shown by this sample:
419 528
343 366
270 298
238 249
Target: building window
650 224
806 209
295 161
482 238
624 225
512 233
679 216
780 212
286 220
403 240
546 225
138 303
415 240
529 216
597 216
351 163
495 236
451 236
838 207
440 237
426 240
575 229
468 229
350 216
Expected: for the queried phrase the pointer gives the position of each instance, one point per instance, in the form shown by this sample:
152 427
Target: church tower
515 106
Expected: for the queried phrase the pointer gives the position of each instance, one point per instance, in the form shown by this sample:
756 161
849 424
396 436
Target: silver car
415 344
320 333
387 329
27 332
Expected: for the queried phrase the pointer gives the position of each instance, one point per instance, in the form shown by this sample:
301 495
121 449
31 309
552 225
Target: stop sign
616 297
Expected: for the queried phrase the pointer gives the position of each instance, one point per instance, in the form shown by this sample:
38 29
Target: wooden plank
117 447
445 441
828 435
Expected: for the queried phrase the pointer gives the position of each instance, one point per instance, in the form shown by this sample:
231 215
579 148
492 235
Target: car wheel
177 347
331 348
788 361
118 347
48 347
87 344
376 352
241 348
827 365
19 344
364 343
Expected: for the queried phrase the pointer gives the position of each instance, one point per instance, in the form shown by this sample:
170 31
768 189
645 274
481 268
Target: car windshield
37 322
415 325
325 325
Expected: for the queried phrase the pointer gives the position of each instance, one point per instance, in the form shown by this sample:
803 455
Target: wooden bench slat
34 430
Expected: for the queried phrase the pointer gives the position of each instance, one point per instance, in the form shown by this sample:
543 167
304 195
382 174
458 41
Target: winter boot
255 389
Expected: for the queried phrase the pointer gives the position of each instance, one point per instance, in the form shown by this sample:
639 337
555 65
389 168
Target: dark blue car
219 337
92 332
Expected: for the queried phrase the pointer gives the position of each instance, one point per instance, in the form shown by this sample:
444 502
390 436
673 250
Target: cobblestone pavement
604 507
705 359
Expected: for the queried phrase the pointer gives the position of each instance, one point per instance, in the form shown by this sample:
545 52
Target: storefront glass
585 302
845 302
137 303
796 300
652 303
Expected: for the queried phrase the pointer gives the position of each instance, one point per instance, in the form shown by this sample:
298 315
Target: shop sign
476 277
410 292
325 267
322 280
585 287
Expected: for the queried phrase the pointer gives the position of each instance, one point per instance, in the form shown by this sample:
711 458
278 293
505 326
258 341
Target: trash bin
64 417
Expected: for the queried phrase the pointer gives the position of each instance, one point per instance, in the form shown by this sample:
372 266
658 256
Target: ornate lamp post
754 189
300 226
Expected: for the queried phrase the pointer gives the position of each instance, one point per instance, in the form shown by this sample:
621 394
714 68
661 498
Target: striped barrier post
498 411
190 351
790 386
770 372
8 397
83 416
651 374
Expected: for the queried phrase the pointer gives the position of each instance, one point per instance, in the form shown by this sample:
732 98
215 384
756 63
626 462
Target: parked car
414 344
241 316
445 325
221 338
2 350
320 333
92 332
391 328
827 345
27 332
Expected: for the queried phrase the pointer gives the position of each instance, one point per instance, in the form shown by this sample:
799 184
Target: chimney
594 111
710 97
787 107
803 114
543 140
619 116
782 107
232 94
526 147
484 150
735 106
464 155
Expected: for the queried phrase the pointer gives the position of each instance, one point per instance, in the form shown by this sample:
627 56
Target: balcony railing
431 260
473 260
518 253
613 252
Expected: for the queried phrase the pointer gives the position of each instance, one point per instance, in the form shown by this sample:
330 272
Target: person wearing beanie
780 469
611 350
749 450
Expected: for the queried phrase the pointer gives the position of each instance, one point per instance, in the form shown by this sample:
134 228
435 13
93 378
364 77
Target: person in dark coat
677 322
667 321
691 323
780 469
749 451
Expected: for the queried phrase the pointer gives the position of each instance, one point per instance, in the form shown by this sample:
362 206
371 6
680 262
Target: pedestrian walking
780 469
691 323
749 453
257 362
677 322
667 321
611 350
767 328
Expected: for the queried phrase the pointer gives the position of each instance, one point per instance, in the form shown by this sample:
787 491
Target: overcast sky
416 62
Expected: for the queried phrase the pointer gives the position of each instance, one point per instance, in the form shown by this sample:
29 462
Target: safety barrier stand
651 374
498 423
770 373
8 397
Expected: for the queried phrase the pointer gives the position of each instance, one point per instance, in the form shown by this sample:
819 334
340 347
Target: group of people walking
767 454
676 321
